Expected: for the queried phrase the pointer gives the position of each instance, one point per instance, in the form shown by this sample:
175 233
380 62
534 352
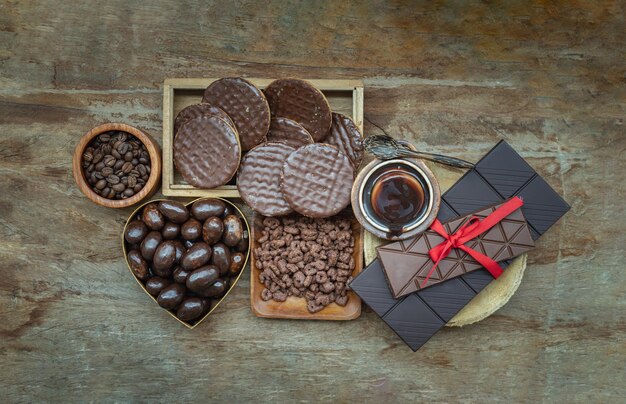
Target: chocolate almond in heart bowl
191 262
245 104
207 152
316 180
258 180
300 101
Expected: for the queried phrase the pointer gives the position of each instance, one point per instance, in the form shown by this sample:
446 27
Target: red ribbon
470 230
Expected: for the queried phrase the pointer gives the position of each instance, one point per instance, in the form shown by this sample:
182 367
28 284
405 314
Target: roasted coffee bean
116 154
88 156
150 244
132 181
212 230
141 169
174 211
138 265
106 148
152 217
215 290
180 275
143 160
202 278
164 258
99 166
118 164
236 263
171 296
196 256
104 138
106 191
137 187
134 160
191 229
123 148
109 160
113 179
129 157
136 231
106 171
118 187
156 284
170 231
205 208
128 192
98 176
190 309
221 258
97 156
101 184
233 230
124 180
127 167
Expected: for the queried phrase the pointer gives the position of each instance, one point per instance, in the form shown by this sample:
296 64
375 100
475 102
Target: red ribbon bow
470 230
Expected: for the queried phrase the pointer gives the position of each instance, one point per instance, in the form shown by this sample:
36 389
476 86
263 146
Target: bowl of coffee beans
116 165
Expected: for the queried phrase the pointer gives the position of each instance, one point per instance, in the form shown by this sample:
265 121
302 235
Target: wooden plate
295 307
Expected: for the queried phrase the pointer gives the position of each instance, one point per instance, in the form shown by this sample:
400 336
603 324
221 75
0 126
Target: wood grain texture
452 76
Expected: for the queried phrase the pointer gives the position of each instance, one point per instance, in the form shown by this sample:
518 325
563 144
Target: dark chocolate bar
407 263
500 174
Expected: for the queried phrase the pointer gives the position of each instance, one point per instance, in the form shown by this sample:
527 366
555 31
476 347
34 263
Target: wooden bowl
295 308
155 165
233 283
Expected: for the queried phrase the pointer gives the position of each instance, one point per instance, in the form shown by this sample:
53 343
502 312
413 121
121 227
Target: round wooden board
490 299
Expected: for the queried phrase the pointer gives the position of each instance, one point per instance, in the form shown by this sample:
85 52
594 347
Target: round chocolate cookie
316 180
245 104
207 151
196 110
300 101
258 180
346 136
290 132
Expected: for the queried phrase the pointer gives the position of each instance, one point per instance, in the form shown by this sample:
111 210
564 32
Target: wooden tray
294 307
344 96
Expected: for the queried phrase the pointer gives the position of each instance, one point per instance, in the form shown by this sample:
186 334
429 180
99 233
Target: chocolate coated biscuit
290 132
258 180
300 101
245 104
346 136
207 151
316 180
196 110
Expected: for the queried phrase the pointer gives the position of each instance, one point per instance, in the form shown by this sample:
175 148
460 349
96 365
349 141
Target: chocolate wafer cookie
258 180
290 132
316 180
245 104
346 136
196 110
207 151
300 101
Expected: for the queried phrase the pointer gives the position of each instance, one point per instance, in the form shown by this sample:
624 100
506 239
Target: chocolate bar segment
407 263
542 205
505 170
373 294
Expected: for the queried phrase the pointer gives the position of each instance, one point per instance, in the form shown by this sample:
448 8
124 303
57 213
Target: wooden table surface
452 77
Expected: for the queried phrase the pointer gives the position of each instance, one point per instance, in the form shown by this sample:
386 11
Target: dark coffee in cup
396 197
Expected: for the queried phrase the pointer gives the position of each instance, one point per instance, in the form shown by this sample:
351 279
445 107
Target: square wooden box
344 96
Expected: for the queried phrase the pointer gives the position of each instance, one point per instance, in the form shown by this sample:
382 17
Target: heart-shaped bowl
233 280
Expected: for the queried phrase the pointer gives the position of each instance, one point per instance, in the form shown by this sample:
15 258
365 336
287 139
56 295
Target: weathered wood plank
453 77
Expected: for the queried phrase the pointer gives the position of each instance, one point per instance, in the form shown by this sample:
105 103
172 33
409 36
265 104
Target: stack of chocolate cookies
298 155
309 158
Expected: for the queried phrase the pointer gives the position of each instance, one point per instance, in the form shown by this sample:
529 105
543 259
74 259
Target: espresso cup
396 199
